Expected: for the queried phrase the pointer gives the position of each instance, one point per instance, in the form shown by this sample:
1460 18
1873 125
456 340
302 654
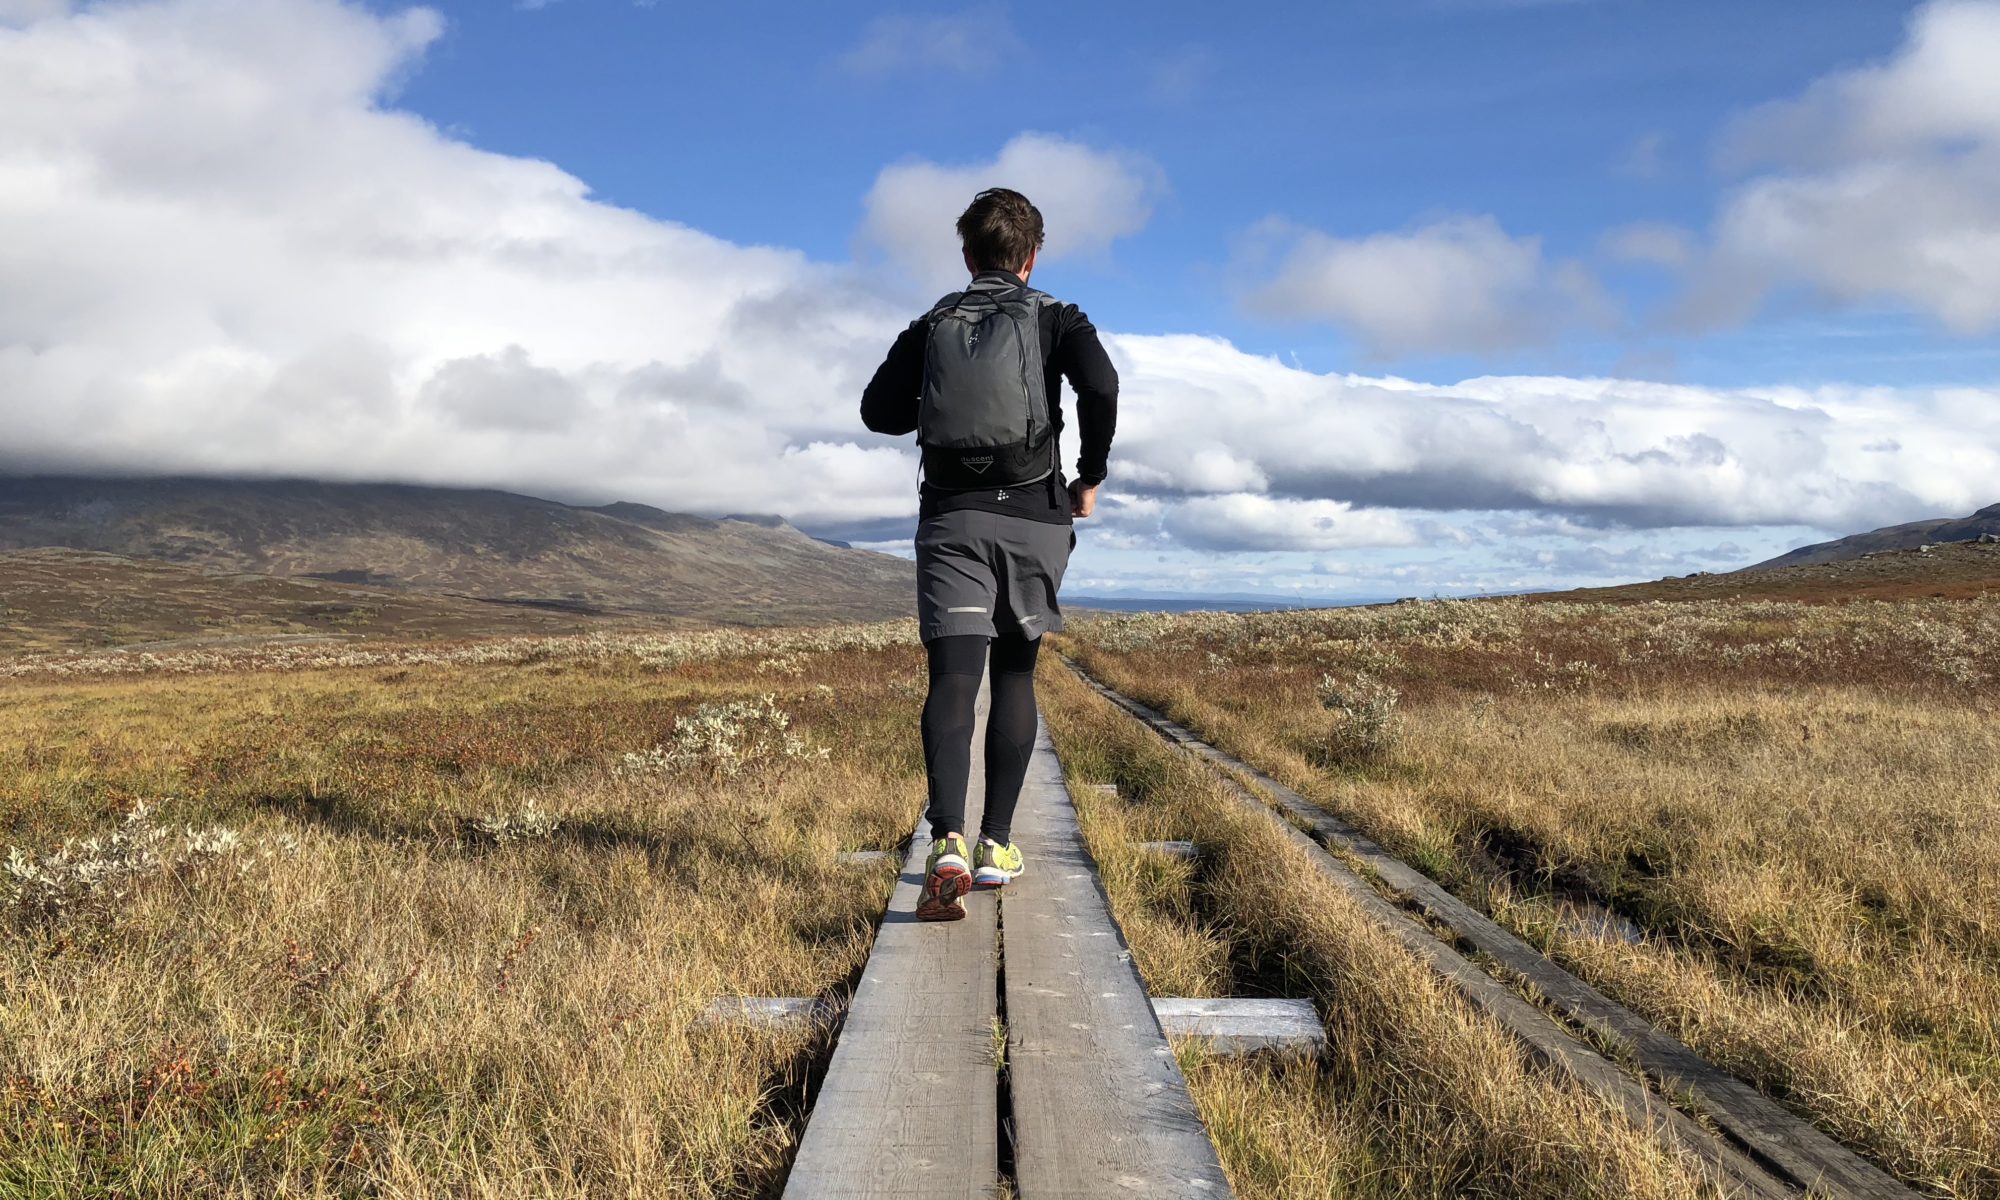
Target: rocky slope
1984 523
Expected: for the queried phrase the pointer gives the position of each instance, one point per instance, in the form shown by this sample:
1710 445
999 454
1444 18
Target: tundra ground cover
439 922
439 919
1418 1095
1795 807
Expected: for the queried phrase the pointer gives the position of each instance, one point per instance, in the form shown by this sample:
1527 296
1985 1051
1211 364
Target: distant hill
479 544
1946 571
1892 537
1216 602
58 600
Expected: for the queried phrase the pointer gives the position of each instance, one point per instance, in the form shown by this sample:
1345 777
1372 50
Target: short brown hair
1000 230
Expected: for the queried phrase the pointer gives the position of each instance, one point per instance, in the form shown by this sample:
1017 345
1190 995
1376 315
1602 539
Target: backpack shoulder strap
946 304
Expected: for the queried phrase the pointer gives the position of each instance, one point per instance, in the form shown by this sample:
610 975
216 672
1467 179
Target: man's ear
969 264
1030 264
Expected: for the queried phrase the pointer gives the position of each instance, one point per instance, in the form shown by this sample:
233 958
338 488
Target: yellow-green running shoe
993 865
947 878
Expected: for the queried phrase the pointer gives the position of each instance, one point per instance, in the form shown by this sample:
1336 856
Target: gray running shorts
985 573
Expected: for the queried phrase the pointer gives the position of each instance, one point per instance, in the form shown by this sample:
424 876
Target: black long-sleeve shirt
1070 350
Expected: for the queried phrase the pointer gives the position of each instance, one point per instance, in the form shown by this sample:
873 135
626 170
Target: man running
979 378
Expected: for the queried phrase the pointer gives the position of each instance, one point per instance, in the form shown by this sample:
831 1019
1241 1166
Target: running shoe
947 878
993 865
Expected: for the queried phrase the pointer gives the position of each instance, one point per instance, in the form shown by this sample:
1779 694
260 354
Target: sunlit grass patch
448 946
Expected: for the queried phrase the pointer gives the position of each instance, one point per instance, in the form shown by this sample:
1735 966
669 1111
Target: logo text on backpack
977 462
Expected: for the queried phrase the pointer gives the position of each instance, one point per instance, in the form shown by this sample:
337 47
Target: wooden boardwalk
1768 1150
1100 1107
911 1102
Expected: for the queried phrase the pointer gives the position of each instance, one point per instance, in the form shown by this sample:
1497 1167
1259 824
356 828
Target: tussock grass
1799 807
392 1002
1420 1096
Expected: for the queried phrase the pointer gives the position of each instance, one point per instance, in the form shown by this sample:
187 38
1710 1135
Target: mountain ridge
1907 536
480 543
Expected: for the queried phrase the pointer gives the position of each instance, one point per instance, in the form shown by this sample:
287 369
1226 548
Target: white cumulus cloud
1462 284
227 252
1878 183
1624 451
26 12
1089 198
1241 521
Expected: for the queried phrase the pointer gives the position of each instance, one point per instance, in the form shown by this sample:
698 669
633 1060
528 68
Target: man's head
1001 232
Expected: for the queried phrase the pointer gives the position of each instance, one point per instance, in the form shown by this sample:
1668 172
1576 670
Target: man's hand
1082 498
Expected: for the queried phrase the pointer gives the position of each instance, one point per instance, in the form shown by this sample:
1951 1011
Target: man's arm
1083 362
889 402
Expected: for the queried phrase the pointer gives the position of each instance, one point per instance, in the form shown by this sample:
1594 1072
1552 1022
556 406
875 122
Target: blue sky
1427 297
1562 120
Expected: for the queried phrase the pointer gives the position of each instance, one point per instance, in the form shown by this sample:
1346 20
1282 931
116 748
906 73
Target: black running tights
956 665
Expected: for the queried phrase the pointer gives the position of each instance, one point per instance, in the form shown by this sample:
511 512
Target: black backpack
983 418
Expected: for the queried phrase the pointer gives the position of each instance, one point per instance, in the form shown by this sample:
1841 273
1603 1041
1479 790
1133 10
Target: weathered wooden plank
1100 1106
1540 1034
910 1104
1242 1024
1799 1151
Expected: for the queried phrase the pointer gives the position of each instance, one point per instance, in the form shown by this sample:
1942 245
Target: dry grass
1799 806
1419 1097
406 921
385 988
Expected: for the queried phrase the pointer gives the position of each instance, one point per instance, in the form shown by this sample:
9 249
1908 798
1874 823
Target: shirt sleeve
1081 358
889 402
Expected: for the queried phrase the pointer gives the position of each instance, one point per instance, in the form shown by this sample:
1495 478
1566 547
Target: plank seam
1102 1107
902 1112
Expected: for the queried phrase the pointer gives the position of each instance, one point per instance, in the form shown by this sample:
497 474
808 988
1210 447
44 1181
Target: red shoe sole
944 891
